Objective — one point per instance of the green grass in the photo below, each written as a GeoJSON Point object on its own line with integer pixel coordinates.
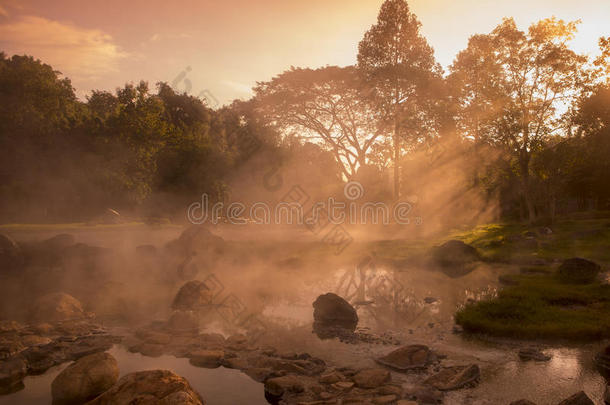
{"type": "Point", "coordinates": [541, 306]}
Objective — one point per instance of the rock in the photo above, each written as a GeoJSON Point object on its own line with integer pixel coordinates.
{"type": "Point", "coordinates": [331, 378]}
{"type": "Point", "coordinates": [207, 358]}
{"type": "Point", "coordinates": [59, 242]}
{"type": "Point", "coordinates": [607, 395]}
{"type": "Point", "coordinates": [578, 271]}
{"type": "Point", "coordinates": [343, 385]}
{"type": "Point", "coordinates": [259, 374]}
{"type": "Point", "coordinates": [11, 256]}
{"type": "Point", "coordinates": [196, 240]}
{"type": "Point", "coordinates": [579, 398]}
{"type": "Point", "coordinates": [372, 378]}
{"type": "Point", "coordinates": [385, 399]}
{"type": "Point", "coordinates": [85, 379]}
{"type": "Point", "coordinates": [57, 307]}
{"type": "Point", "coordinates": [455, 257]}
{"type": "Point", "coordinates": [12, 373]}
{"type": "Point", "coordinates": [533, 353]}
{"type": "Point", "coordinates": [425, 395]}
{"type": "Point", "coordinates": [453, 378]}
{"type": "Point", "coordinates": [183, 321]}
{"type": "Point", "coordinates": [237, 342]}
{"type": "Point", "coordinates": [602, 361]}
{"type": "Point", "coordinates": [522, 402]}
{"type": "Point", "coordinates": [408, 358]}
{"type": "Point", "coordinates": [150, 387]}
{"type": "Point", "coordinates": [277, 386]}
{"type": "Point", "coordinates": [332, 310]}
{"type": "Point", "coordinates": [405, 402]}
{"type": "Point", "coordinates": [192, 296]}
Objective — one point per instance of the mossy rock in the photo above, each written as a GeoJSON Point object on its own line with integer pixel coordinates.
{"type": "Point", "coordinates": [578, 271]}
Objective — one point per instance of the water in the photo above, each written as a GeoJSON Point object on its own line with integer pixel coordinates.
{"type": "Point", "coordinates": [220, 386]}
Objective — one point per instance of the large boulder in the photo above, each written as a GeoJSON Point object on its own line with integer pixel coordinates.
{"type": "Point", "coordinates": [85, 379]}
{"type": "Point", "coordinates": [150, 387]}
{"type": "Point", "coordinates": [11, 256]}
{"type": "Point", "coordinates": [183, 322]}
{"type": "Point", "coordinates": [56, 307]}
{"type": "Point", "coordinates": [455, 257]}
{"type": "Point", "coordinates": [193, 295]}
{"type": "Point", "coordinates": [578, 271]}
{"type": "Point", "coordinates": [330, 310]}
{"type": "Point", "coordinates": [408, 358]}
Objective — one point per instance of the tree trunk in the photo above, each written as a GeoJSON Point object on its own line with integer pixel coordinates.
{"type": "Point", "coordinates": [396, 162]}
{"type": "Point", "coordinates": [524, 165]}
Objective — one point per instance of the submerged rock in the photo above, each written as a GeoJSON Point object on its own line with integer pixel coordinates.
{"type": "Point", "coordinates": [408, 358]}
{"type": "Point", "coordinates": [454, 378]}
{"type": "Point", "coordinates": [578, 271]}
{"type": "Point", "coordinates": [579, 398]}
{"type": "Point", "coordinates": [207, 358]}
{"type": "Point", "coordinates": [57, 307]}
{"type": "Point", "coordinates": [330, 310]}
{"type": "Point", "coordinates": [150, 387]}
{"type": "Point", "coordinates": [532, 353]}
{"type": "Point", "coordinates": [85, 379]}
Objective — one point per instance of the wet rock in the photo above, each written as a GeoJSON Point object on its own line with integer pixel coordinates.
{"type": "Point", "coordinates": [332, 310]}
{"type": "Point", "coordinates": [602, 361]}
{"type": "Point", "coordinates": [455, 257]}
{"type": "Point", "coordinates": [207, 358]}
{"type": "Point", "coordinates": [237, 342]}
{"type": "Point", "coordinates": [150, 387]}
{"type": "Point", "coordinates": [607, 395]}
{"type": "Point", "coordinates": [579, 398]}
{"type": "Point", "coordinates": [522, 402]}
{"type": "Point", "coordinates": [532, 353]}
{"type": "Point", "coordinates": [193, 295]}
{"type": "Point", "coordinates": [406, 402]}
{"type": "Point", "coordinates": [12, 373]}
{"type": "Point", "coordinates": [278, 386]}
{"type": "Point", "coordinates": [11, 256]}
{"type": "Point", "coordinates": [372, 378]}
{"type": "Point", "coordinates": [183, 322]}
{"type": "Point", "coordinates": [578, 271]}
{"type": "Point", "coordinates": [57, 307]}
{"type": "Point", "coordinates": [154, 337]}
{"type": "Point", "coordinates": [85, 379]}
{"type": "Point", "coordinates": [343, 385]}
{"type": "Point", "coordinates": [34, 340]}
{"type": "Point", "coordinates": [453, 378]}
{"type": "Point", "coordinates": [408, 358]}
{"type": "Point", "coordinates": [260, 374]}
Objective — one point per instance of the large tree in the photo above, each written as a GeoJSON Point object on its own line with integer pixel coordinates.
{"type": "Point", "coordinates": [399, 64]}
{"type": "Point", "coordinates": [326, 104]}
{"type": "Point", "coordinates": [514, 86]}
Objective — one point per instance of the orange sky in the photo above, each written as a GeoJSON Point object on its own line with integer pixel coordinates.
{"type": "Point", "coordinates": [230, 44]}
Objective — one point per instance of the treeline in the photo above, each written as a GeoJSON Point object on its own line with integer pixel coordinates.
{"type": "Point", "coordinates": [520, 121]}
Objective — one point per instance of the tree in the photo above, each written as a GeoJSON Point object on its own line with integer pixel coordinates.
{"type": "Point", "coordinates": [512, 87]}
{"type": "Point", "coordinates": [327, 104]}
{"type": "Point", "coordinates": [398, 63]}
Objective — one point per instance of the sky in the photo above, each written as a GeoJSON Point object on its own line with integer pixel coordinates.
{"type": "Point", "coordinates": [219, 49]}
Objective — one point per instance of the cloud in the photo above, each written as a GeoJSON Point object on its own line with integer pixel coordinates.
{"type": "Point", "coordinates": [80, 53]}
